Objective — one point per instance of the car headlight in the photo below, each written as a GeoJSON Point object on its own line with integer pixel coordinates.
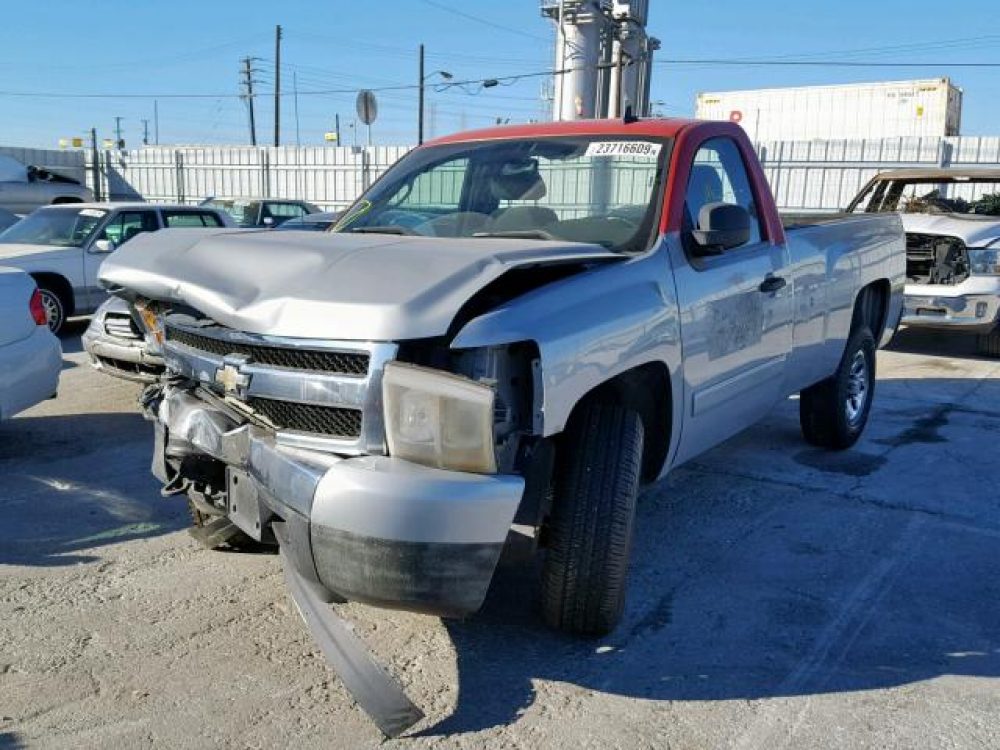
{"type": "Point", "coordinates": [152, 322]}
{"type": "Point", "coordinates": [984, 261]}
{"type": "Point", "coordinates": [438, 419]}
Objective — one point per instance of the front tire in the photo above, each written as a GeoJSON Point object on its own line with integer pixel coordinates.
{"type": "Point", "coordinates": [590, 530]}
{"type": "Point", "coordinates": [988, 344]}
{"type": "Point", "coordinates": [833, 413]}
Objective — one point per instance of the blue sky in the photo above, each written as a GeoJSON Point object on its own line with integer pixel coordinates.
{"type": "Point", "coordinates": [184, 47]}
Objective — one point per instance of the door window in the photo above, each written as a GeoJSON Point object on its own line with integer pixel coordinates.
{"type": "Point", "coordinates": [128, 224]}
{"type": "Point", "coordinates": [190, 219]}
{"type": "Point", "coordinates": [718, 174]}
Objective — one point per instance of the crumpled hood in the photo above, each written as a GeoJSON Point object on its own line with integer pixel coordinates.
{"type": "Point", "coordinates": [974, 231]}
{"type": "Point", "coordinates": [364, 287]}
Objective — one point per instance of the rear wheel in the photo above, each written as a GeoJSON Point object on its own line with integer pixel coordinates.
{"type": "Point", "coordinates": [833, 413]}
{"type": "Point", "coordinates": [590, 530]}
{"type": "Point", "coordinates": [989, 343]}
{"type": "Point", "coordinates": [55, 308]}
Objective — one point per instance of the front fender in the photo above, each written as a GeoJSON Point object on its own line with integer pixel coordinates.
{"type": "Point", "coordinates": [588, 329]}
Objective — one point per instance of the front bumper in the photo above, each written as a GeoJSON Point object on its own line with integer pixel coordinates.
{"type": "Point", "coordinates": [122, 358]}
{"type": "Point", "coordinates": [373, 529]}
{"type": "Point", "coordinates": [972, 306]}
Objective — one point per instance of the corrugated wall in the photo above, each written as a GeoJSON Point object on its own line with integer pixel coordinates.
{"type": "Point", "coordinates": [806, 176]}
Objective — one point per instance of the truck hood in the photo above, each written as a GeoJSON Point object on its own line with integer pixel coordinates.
{"type": "Point", "coordinates": [334, 286]}
{"type": "Point", "coordinates": [974, 231]}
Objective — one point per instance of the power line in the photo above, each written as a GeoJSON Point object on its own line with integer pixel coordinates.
{"type": "Point", "coordinates": [830, 63]}
{"type": "Point", "coordinates": [484, 21]}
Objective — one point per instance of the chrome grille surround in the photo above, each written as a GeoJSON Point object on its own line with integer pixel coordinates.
{"type": "Point", "coordinates": [336, 394]}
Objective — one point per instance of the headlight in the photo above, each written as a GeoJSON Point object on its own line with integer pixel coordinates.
{"type": "Point", "coordinates": [438, 419]}
{"type": "Point", "coordinates": [151, 321]}
{"type": "Point", "coordinates": [984, 262]}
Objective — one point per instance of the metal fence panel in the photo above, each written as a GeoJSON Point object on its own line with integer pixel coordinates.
{"type": "Point", "coordinates": [806, 176]}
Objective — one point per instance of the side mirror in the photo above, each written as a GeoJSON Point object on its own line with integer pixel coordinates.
{"type": "Point", "coordinates": [721, 226]}
{"type": "Point", "coordinates": [102, 246]}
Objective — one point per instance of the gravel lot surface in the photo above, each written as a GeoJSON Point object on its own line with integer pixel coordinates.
{"type": "Point", "coordinates": [781, 597]}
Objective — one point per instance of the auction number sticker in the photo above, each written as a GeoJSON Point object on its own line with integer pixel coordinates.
{"type": "Point", "coordinates": [637, 149]}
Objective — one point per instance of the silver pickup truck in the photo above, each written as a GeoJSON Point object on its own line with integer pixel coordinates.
{"type": "Point", "coordinates": [513, 328]}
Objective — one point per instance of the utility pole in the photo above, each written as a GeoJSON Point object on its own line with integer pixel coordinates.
{"type": "Point", "coordinates": [277, 85]}
{"type": "Point", "coordinates": [156, 122]}
{"type": "Point", "coordinates": [336, 127]}
{"type": "Point", "coordinates": [248, 83]}
{"type": "Point", "coordinates": [295, 88]}
{"type": "Point", "coordinates": [119, 143]}
{"type": "Point", "coordinates": [145, 132]}
{"type": "Point", "coordinates": [420, 99]}
{"type": "Point", "coordinates": [95, 167]}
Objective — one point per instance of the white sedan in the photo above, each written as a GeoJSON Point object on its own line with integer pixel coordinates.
{"type": "Point", "coordinates": [30, 354]}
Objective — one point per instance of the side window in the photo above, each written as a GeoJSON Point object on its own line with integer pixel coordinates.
{"type": "Point", "coordinates": [190, 219]}
{"type": "Point", "coordinates": [718, 174]}
{"type": "Point", "coordinates": [285, 210]}
{"type": "Point", "coordinates": [128, 224]}
{"type": "Point", "coordinates": [436, 191]}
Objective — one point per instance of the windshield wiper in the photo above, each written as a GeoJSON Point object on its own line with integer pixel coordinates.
{"type": "Point", "coordinates": [519, 234]}
{"type": "Point", "coordinates": [388, 229]}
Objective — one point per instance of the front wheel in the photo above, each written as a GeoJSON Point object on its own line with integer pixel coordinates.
{"type": "Point", "coordinates": [590, 530]}
{"type": "Point", "coordinates": [988, 344]}
{"type": "Point", "coordinates": [833, 413]}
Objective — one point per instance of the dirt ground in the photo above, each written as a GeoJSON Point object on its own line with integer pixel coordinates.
{"type": "Point", "coordinates": [781, 597]}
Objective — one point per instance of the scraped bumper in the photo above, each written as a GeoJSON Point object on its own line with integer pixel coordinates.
{"type": "Point", "coordinates": [123, 358]}
{"type": "Point", "coordinates": [972, 306]}
{"type": "Point", "coordinates": [373, 529]}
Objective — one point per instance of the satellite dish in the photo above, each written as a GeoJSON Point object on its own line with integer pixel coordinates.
{"type": "Point", "coordinates": [367, 107]}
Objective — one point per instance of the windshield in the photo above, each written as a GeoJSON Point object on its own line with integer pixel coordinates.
{"type": "Point", "coordinates": [63, 227]}
{"type": "Point", "coordinates": [244, 213]}
{"type": "Point", "coordinates": [582, 189]}
{"type": "Point", "coordinates": [954, 195]}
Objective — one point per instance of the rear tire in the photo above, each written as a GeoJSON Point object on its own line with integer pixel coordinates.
{"type": "Point", "coordinates": [590, 530]}
{"type": "Point", "coordinates": [988, 344]}
{"type": "Point", "coordinates": [55, 308]}
{"type": "Point", "coordinates": [833, 413]}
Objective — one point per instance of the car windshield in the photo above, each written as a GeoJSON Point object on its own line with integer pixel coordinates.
{"type": "Point", "coordinates": [60, 226]}
{"type": "Point", "coordinates": [581, 189]}
{"type": "Point", "coordinates": [244, 213]}
{"type": "Point", "coordinates": [952, 195]}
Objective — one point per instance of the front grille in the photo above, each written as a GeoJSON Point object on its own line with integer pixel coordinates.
{"type": "Point", "coordinates": [343, 363]}
{"type": "Point", "coordinates": [326, 420]}
{"type": "Point", "coordinates": [121, 326]}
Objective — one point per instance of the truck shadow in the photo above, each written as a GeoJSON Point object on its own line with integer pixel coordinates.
{"type": "Point", "coordinates": [77, 482]}
{"type": "Point", "coordinates": [757, 574]}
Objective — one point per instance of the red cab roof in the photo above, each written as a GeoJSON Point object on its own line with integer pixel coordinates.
{"type": "Point", "coordinates": [665, 128]}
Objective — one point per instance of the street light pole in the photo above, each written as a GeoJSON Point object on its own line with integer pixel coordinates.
{"type": "Point", "coordinates": [420, 89]}
{"type": "Point", "coordinates": [420, 106]}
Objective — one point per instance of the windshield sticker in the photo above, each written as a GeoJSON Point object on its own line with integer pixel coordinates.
{"type": "Point", "coordinates": [637, 149]}
{"type": "Point", "coordinates": [94, 213]}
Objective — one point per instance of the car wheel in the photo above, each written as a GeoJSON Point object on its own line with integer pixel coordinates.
{"type": "Point", "coordinates": [833, 413]}
{"type": "Point", "coordinates": [55, 308]}
{"type": "Point", "coordinates": [590, 529]}
{"type": "Point", "coordinates": [989, 343]}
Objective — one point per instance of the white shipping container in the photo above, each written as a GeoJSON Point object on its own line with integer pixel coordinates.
{"type": "Point", "coordinates": [931, 107]}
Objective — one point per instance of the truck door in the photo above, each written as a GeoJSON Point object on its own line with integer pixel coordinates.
{"type": "Point", "coordinates": [735, 308]}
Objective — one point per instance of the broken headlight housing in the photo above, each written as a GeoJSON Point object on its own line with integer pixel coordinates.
{"type": "Point", "coordinates": [984, 261]}
{"type": "Point", "coordinates": [438, 419]}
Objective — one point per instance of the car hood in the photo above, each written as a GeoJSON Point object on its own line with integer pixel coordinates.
{"type": "Point", "coordinates": [331, 286]}
{"type": "Point", "coordinates": [13, 251]}
{"type": "Point", "coordinates": [974, 231]}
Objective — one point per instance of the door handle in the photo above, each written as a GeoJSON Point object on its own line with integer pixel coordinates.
{"type": "Point", "coordinates": [772, 284]}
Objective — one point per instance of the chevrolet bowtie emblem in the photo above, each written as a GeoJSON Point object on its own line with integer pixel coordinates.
{"type": "Point", "coordinates": [233, 382]}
